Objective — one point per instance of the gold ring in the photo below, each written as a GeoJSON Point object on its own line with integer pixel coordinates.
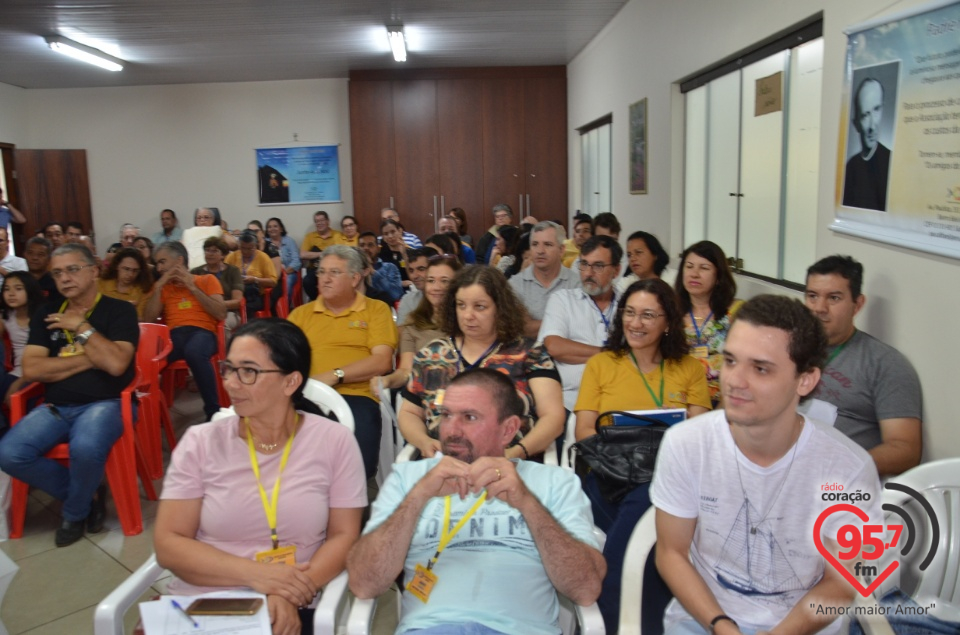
{"type": "Point", "coordinates": [498, 473]}
{"type": "Point", "coordinates": [57, 318]}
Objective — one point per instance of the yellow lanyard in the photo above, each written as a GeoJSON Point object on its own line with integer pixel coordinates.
{"type": "Point", "coordinates": [447, 534]}
{"type": "Point", "coordinates": [270, 506]}
{"type": "Point", "coordinates": [85, 317]}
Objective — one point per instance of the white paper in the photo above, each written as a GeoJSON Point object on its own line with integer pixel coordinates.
{"type": "Point", "coordinates": [160, 617]}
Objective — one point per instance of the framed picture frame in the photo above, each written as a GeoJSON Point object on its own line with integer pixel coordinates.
{"type": "Point", "coordinates": [638, 147]}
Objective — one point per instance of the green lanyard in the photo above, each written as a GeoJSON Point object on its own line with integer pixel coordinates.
{"type": "Point", "coordinates": [658, 402]}
{"type": "Point", "coordinates": [270, 506]}
{"type": "Point", "coordinates": [837, 350]}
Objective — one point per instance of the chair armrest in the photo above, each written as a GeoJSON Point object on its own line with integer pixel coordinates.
{"type": "Point", "coordinates": [360, 620]}
{"type": "Point", "coordinates": [550, 455]}
{"type": "Point", "coordinates": [407, 454]}
{"type": "Point", "coordinates": [331, 605]}
{"type": "Point", "coordinates": [590, 619]}
{"type": "Point", "coordinates": [108, 617]}
{"type": "Point", "coordinates": [19, 401]}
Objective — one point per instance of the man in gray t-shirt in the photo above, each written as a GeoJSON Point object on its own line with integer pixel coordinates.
{"type": "Point", "coordinates": [874, 387]}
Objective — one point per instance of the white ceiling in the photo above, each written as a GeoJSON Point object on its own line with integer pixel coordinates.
{"type": "Point", "coordinates": [191, 41]}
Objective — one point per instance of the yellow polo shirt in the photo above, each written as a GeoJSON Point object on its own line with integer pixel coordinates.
{"type": "Point", "coordinates": [313, 239]}
{"type": "Point", "coordinates": [338, 340]}
{"type": "Point", "coordinates": [261, 267]}
{"type": "Point", "coordinates": [570, 252]}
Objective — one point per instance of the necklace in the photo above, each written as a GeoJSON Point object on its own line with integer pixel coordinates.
{"type": "Point", "coordinates": [743, 491]}
{"type": "Point", "coordinates": [268, 447]}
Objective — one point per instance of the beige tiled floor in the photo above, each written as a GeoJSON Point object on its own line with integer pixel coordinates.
{"type": "Point", "coordinates": [56, 590]}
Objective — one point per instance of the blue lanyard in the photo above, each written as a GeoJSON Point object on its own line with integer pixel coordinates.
{"type": "Point", "coordinates": [606, 322]}
{"type": "Point", "coordinates": [695, 328]}
{"type": "Point", "coordinates": [480, 359]}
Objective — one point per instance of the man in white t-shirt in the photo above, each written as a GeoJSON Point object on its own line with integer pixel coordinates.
{"type": "Point", "coordinates": [738, 491]}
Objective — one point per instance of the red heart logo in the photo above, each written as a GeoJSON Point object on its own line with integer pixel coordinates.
{"type": "Point", "coordinates": [862, 515]}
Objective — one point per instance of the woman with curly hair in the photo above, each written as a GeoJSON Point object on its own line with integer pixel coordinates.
{"type": "Point", "coordinates": [483, 320]}
{"type": "Point", "coordinates": [128, 277]}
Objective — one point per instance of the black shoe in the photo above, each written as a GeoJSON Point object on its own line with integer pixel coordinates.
{"type": "Point", "coordinates": [70, 531]}
{"type": "Point", "coordinates": [98, 511]}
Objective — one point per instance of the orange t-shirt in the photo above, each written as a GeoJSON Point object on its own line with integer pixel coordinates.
{"type": "Point", "coordinates": [180, 308]}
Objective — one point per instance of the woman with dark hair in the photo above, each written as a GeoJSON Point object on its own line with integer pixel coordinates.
{"type": "Point", "coordinates": [644, 366]}
{"type": "Point", "coordinates": [483, 321]}
{"type": "Point", "coordinates": [289, 254]}
{"type": "Point", "coordinates": [128, 277]}
{"type": "Point", "coordinates": [460, 216]}
{"type": "Point", "coordinates": [504, 245]}
{"type": "Point", "coordinates": [520, 256]}
{"type": "Point", "coordinates": [20, 297]}
{"type": "Point", "coordinates": [231, 279]}
{"type": "Point", "coordinates": [647, 259]}
{"type": "Point", "coordinates": [443, 244]}
{"type": "Point", "coordinates": [213, 527]}
{"type": "Point", "coordinates": [350, 231]}
{"type": "Point", "coordinates": [705, 291]}
{"type": "Point", "coordinates": [393, 249]}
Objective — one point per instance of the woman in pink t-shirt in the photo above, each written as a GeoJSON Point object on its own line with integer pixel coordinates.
{"type": "Point", "coordinates": [213, 527]}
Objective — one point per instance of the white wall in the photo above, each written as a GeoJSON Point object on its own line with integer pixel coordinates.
{"type": "Point", "coordinates": [13, 114]}
{"type": "Point", "coordinates": [911, 297]}
{"type": "Point", "coordinates": [186, 146]}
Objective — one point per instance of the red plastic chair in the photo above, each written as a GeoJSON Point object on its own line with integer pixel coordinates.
{"type": "Point", "coordinates": [297, 295]}
{"type": "Point", "coordinates": [175, 374]}
{"type": "Point", "coordinates": [155, 346]}
{"type": "Point", "coordinates": [124, 463]}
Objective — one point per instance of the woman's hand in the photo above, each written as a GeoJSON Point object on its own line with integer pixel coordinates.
{"type": "Point", "coordinates": [289, 582]}
{"type": "Point", "coordinates": [428, 447]}
{"type": "Point", "coordinates": [284, 619]}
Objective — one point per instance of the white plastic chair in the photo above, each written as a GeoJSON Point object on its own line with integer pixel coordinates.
{"type": "Point", "coordinates": [8, 569]}
{"type": "Point", "coordinates": [108, 617]}
{"type": "Point", "coordinates": [326, 398]}
{"type": "Point", "coordinates": [567, 460]}
{"type": "Point", "coordinates": [642, 540]}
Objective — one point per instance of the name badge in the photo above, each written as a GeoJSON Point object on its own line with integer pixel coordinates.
{"type": "Point", "coordinates": [700, 352]}
{"type": "Point", "coordinates": [184, 304]}
{"type": "Point", "coordinates": [422, 583]}
{"type": "Point", "coordinates": [71, 350]}
{"type": "Point", "coordinates": [280, 555]}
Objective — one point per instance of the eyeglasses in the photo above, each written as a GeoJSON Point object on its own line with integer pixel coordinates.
{"type": "Point", "coordinates": [345, 225]}
{"type": "Point", "coordinates": [72, 270]}
{"type": "Point", "coordinates": [595, 267]}
{"type": "Point", "coordinates": [245, 374]}
{"type": "Point", "coordinates": [336, 273]}
{"type": "Point", "coordinates": [645, 316]}
{"type": "Point", "coordinates": [502, 216]}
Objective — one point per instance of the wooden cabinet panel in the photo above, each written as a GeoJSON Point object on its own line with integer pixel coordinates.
{"type": "Point", "coordinates": [545, 148]}
{"type": "Point", "coordinates": [460, 123]}
{"type": "Point", "coordinates": [503, 138]}
{"type": "Point", "coordinates": [53, 186]}
{"type": "Point", "coordinates": [415, 143]}
{"type": "Point", "coordinates": [371, 147]}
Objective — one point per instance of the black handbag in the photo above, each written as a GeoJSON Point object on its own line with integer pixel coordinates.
{"type": "Point", "coordinates": [622, 457]}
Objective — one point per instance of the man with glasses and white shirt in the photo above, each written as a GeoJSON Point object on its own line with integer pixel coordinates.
{"type": "Point", "coordinates": [576, 322]}
{"type": "Point", "coordinates": [535, 284]}
{"type": "Point", "coordinates": [82, 348]}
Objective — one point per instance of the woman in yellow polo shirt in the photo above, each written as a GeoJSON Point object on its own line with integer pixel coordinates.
{"type": "Point", "coordinates": [645, 366]}
{"type": "Point", "coordinates": [128, 277]}
{"type": "Point", "coordinates": [256, 269]}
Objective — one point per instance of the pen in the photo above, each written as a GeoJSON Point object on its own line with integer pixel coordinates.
{"type": "Point", "coordinates": [177, 606]}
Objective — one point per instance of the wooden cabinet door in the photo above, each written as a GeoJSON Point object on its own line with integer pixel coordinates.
{"type": "Point", "coordinates": [52, 186]}
{"type": "Point", "coordinates": [460, 124]}
{"type": "Point", "coordinates": [503, 140]}
{"type": "Point", "coordinates": [417, 154]}
{"type": "Point", "coordinates": [372, 151]}
{"type": "Point", "coordinates": [545, 147]}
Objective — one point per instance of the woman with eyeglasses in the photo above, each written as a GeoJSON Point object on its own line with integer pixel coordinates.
{"type": "Point", "coordinates": [207, 224]}
{"type": "Point", "coordinates": [422, 325]}
{"type": "Point", "coordinates": [644, 366]}
{"type": "Point", "coordinates": [276, 464]}
{"type": "Point", "coordinates": [482, 319]}
{"type": "Point", "coordinates": [128, 277]}
{"type": "Point", "coordinates": [349, 231]}
{"type": "Point", "coordinates": [705, 289]}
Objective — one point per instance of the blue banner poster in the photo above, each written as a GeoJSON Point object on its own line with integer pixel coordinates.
{"type": "Point", "coordinates": [292, 176]}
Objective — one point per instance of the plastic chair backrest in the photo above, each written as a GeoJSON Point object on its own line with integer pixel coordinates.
{"type": "Point", "coordinates": [641, 543]}
{"type": "Point", "coordinates": [155, 345]}
{"type": "Point", "coordinates": [328, 399]}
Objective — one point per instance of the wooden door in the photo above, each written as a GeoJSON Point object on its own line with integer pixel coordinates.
{"type": "Point", "coordinates": [372, 153]}
{"type": "Point", "coordinates": [460, 124]}
{"type": "Point", "coordinates": [52, 186]}
{"type": "Point", "coordinates": [503, 139]}
{"type": "Point", "coordinates": [417, 155]}
{"type": "Point", "coordinates": [545, 148]}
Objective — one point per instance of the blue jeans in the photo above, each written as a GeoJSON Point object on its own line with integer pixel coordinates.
{"type": "Point", "coordinates": [196, 346]}
{"type": "Point", "coordinates": [90, 429]}
{"type": "Point", "coordinates": [367, 426]}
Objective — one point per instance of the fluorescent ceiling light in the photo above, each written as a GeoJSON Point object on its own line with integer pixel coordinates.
{"type": "Point", "coordinates": [84, 53]}
{"type": "Point", "coordinates": [395, 32]}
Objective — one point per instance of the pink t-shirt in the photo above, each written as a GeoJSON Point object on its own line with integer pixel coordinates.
{"type": "Point", "coordinates": [212, 462]}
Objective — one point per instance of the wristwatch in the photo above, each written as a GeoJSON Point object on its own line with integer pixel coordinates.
{"type": "Point", "coordinates": [82, 338]}
{"type": "Point", "coordinates": [340, 375]}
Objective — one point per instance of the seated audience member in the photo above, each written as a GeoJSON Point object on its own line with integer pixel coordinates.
{"type": "Point", "coordinates": [145, 246]}
{"type": "Point", "coordinates": [606, 224]}
{"type": "Point", "coordinates": [873, 386]}
{"type": "Point", "coordinates": [741, 487]}
{"type": "Point", "coordinates": [409, 239]}
{"type": "Point", "coordinates": [289, 256]}
{"type": "Point", "coordinates": [54, 233]}
{"type": "Point", "coordinates": [207, 224]}
{"type": "Point", "coordinates": [646, 258]}
{"type": "Point", "coordinates": [128, 233]}
{"type": "Point", "coordinates": [231, 280]}
{"type": "Point", "coordinates": [393, 249]}
{"type": "Point", "coordinates": [386, 277]}
{"type": "Point", "coordinates": [527, 223]}
{"type": "Point", "coordinates": [520, 257]}
{"type": "Point", "coordinates": [353, 339]}
{"type": "Point", "coordinates": [257, 271]}
{"type": "Point", "coordinates": [37, 255]}
{"type": "Point", "coordinates": [576, 322]}
{"type": "Point", "coordinates": [460, 216]}
{"type": "Point", "coordinates": [444, 244]}
{"type": "Point", "coordinates": [582, 231]}
{"type": "Point", "coordinates": [483, 322]}
{"type": "Point", "coordinates": [647, 341]}
{"type": "Point", "coordinates": [503, 254]}
{"type": "Point", "coordinates": [191, 305]}
{"type": "Point", "coordinates": [448, 226]}
{"type": "Point", "coordinates": [20, 298]}
{"type": "Point", "coordinates": [74, 234]}
{"type": "Point", "coordinates": [82, 349]}
{"type": "Point", "coordinates": [349, 231]}
{"type": "Point", "coordinates": [546, 276]}
{"type": "Point", "coordinates": [213, 529]}
{"type": "Point", "coordinates": [417, 272]}
{"type": "Point", "coordinates": [127, 278]}
{"type": "Point", "coordinates": [705, 289]}
{"type": "Point", "coordinates": [169, 228]}
{"type": "Point", "coordinates": [8, 262]}
{"type": "Point", "coordinates": [534, 530]}
{"type": "Point", "coordinates": [366, 281]}
{"type": "Point", "coordinates": [263, 244]}
{"type": "Point", "coordinates": [422, 325]}
{"type": "Point", "coordinates": [502, 217]}
{"type": "Point", "coordinates": [312, 246]}
{"type": "Point", "coordinates": [9, 213]}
